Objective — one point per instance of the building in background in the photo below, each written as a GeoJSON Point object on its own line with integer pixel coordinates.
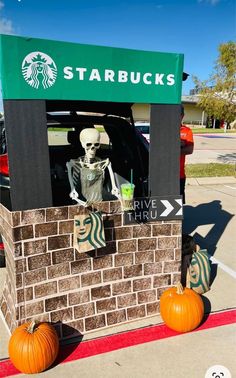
{"type": "Point", "coordinates": [193, 114]}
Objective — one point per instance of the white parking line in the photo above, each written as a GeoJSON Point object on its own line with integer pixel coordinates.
{"type": "Point", "coordinates": [224, 267]}
{"type": "Point", "coordinates": [231, 187]}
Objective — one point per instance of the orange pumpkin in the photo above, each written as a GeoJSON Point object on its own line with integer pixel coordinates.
{"type": "Point", "coordinates": [181, 309]}
{"type": "Point", "coordinates": [33, 347]}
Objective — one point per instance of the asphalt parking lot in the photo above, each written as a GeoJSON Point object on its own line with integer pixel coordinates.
{"type": "Point", "coordinates": [213, 148]}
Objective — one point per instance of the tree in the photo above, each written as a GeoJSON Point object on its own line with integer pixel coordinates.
{"type": "Point", "coordinates": [218, 93]}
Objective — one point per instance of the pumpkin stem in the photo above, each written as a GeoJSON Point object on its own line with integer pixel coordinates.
{"type": "Point", "coordinates": [180, 289]}
{"type": "Point", "coordinates": [30, 329]}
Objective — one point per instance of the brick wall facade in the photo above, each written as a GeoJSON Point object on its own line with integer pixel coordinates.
{"type": "Point", "coordinates": [47, 279]}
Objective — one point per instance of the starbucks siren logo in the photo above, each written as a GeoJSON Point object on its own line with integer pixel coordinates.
{"type": "Point", "coordinates": [39, 69]}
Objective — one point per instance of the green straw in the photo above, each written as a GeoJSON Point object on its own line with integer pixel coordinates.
{"type": "Point", "coordinates": [131, 177]}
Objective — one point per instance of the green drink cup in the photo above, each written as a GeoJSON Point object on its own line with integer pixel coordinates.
{"type": "Point", "coordinates": [127, 196]}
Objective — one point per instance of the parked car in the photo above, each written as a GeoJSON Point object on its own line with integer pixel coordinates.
{"type": "Point", "coordinates": [121, 142]}
{"type": "Point", "coordinates": [144, 129]}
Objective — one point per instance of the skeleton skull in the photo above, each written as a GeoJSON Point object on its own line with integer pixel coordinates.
{"type": "Point", "coordinates": [90, 140]}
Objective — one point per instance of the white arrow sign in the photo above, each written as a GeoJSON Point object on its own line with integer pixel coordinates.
{"type": "Point", "coordinates": [180, 212]}
{"type": "Point", "coordinates": [168, 209]}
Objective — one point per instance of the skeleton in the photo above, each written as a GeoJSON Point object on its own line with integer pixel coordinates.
{"type": "Point", "coordinates": [88, 171]}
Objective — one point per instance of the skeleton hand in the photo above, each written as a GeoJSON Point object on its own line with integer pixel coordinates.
{"type": "Point", "coordinates": [116, 192]}
{"type": "Point", "coordinates": [74, 195]}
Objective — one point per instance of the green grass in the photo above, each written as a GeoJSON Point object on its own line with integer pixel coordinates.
{"type": "Point", "coordinates": [203, 130]}
{"type": "Point", "coordinates": [57, 129]}
{"type": "Point", "coordinates": [210, 170]}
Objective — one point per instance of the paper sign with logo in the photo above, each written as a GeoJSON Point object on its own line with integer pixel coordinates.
{"type": "Point", "coordinates": [88, 231]}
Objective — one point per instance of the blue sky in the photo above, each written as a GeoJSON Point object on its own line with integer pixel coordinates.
{"type": "Point", "coordinates": [192, 27]}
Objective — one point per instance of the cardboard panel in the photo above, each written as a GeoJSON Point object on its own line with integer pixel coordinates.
{"type": "Point", "coordinates": [164, 154]}
{"type": "Point", "coordinates": [26, 132]}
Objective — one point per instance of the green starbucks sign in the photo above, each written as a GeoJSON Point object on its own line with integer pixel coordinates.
{"type": "Point", "coordinates": [43, 69]}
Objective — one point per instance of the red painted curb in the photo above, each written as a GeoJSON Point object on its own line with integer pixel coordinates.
{"type": "Point", "coordinates": [123, 340]}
